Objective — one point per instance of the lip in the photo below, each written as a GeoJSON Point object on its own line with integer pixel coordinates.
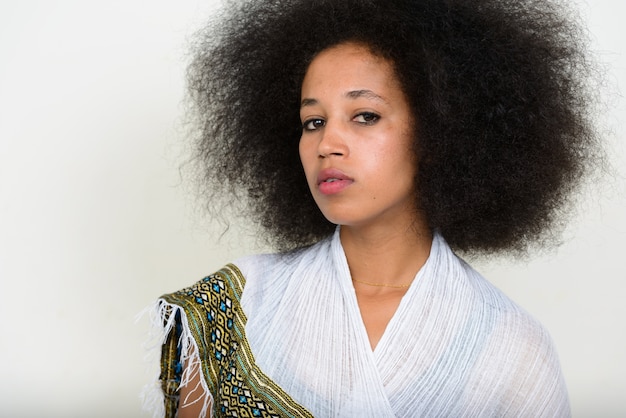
{"type": "Point", "coordinates": [332, 181]}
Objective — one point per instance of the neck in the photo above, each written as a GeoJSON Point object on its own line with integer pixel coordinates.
{"type": "Point", "coordinates": [386, 256]}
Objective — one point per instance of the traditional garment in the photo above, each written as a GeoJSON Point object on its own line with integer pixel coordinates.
{"type": "Point", "coordinates": [282, 335]}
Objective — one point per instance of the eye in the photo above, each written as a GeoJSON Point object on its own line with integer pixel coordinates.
{"type": "Point", "coordinates": [366, 118]}
{"type": "Point", "coordinates": [313, 124]}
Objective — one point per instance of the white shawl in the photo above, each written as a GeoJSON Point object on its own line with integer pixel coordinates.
{"type": "Point", "coordinates": [455, 347]}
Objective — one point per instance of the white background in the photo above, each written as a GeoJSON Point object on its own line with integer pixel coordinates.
{"type": "Point", "coordinates": [95, 224]}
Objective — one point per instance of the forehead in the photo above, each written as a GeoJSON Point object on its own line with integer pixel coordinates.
{"type": "Point", "coordinates": [347, 49]}
{"type": "Point", "coordinates": [350, 66]}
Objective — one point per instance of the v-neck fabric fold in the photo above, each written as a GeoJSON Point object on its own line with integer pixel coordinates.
{"type": "Point", "coordinates": [455, 346]}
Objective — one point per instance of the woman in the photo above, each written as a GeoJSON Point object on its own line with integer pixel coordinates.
{"type": "Point", "coordinates": [371, 139]}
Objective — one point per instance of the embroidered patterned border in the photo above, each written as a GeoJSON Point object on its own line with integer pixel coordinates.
{"type": "Point", "coordinates": [217, 323]}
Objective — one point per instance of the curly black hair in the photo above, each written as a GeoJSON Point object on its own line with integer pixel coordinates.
{"type": "Point", "coordinates": [498, 88]}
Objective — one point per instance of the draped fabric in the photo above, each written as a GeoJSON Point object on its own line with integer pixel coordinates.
{"type": "Point", "coordinates": [206, 328]}
{"type": "Point", "coordinates": [456, 346]}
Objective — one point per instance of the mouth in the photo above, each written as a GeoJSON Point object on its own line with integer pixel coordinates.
{"type": "Point", "coordinates": [332, 181]}
{"type": "Point", "coordinates": [331, 175]}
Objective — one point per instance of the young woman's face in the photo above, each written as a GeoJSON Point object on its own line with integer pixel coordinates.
{"type": "Point", "coordinates": [356, 138]}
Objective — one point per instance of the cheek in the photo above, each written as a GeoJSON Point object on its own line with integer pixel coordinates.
{"type": "Point", "coordinates": [302, 152]}
{"type": "Point", "coordinates": [304, 148]}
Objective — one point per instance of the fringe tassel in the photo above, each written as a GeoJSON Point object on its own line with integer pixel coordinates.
{"type": "Point", "coordinates": [162, 316]}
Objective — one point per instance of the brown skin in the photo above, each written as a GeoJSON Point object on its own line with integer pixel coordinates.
{"type": "Point", "coordinates": [367, 137]}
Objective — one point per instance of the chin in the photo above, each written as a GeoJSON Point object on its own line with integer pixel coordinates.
{"type": "Point", "coordinates": [336, 219]}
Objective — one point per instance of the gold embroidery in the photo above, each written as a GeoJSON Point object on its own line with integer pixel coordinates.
{"type": "Point", "coordinates": [217, 323]}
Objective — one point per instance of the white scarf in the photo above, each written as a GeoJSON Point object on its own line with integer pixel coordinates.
{"type": "Point", "coordinates": [456, 346]}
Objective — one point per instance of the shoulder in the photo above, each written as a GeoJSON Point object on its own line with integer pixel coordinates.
{"type": "Point", "coordinates": [509, 321]}
{"type": "Point", "coordinates": [253, 279]}
{"type": "Point", "coordinates": [253, 265]}
{"type": "Point", "coordinates": [250, 272]}
{"type": "Point", "coordinates": [267, 276]}
{"type": "Point", "coordinates": [519, 355]}
{"type": "Point", "coordinates": [486, 294]}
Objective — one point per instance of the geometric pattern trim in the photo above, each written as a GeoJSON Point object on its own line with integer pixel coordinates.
{"type": "Point", "coordinates": [217, 324]}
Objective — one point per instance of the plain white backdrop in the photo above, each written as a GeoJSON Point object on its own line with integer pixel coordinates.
{"type": "Point", "coordinates": [95, 223]}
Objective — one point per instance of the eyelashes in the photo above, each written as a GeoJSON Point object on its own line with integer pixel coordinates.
{"type": "Point", "coordinates": [366, 118]}
{"type": "Point", "coordinates": [363, 118]}
{"type": "Point", "coordinates": [314, 124]}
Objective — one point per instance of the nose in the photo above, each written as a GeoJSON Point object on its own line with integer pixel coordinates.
{"type": "Point", "coordinates": [332, 141]}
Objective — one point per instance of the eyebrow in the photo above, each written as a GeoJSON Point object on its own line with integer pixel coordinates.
{"type": "Point", "coordinates": [368, 94]}
{"type": "Point", "coordinates": [308, 102]}
{"type": "Point", "coordinates": [355, 94]}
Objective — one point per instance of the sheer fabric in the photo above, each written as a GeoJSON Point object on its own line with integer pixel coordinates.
{"type": "Point", "coordinates": [455, 347]}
